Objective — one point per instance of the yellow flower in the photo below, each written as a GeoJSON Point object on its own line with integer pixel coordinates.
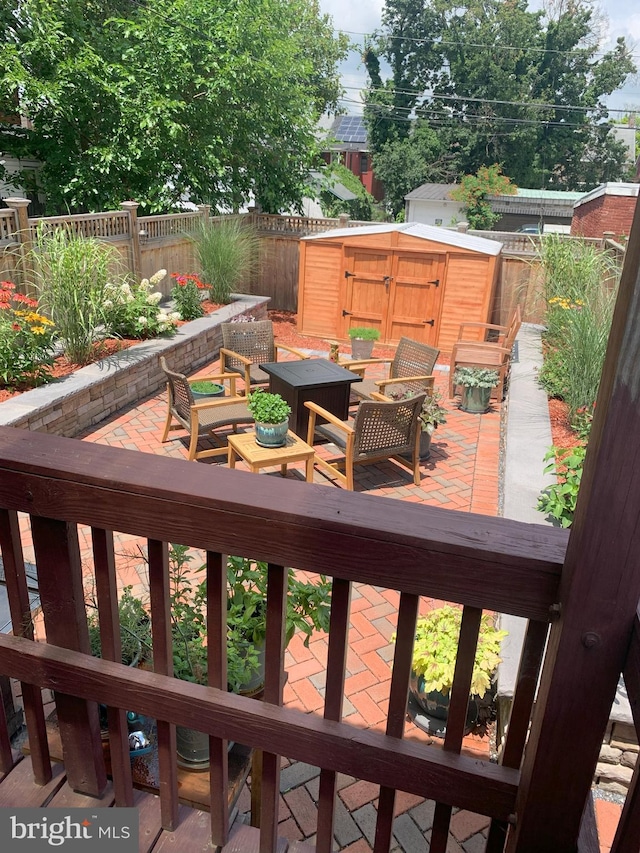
{"type": "Point", "coordinates": [38, 330]}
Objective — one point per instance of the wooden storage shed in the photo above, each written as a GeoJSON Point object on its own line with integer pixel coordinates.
{"type": "Point", "coordinates": [409, 279]}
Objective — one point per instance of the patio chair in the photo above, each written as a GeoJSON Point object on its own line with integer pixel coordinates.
{"type": "Point", "coordinates": [411, 369]}
{"type": "Point", "coordinates": [494, 354]}
{"type": "Point", "coordinates": [380, 430]}
{"type": "Point", "coordinates": [201, 419]}
{"type": "Point", "coordinates": [247, 345]}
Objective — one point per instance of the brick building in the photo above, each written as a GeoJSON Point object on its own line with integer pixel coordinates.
{"type": "Point", "coordinates": [609, 207]}
{"type": "Point", "coordinates": [347, 143]}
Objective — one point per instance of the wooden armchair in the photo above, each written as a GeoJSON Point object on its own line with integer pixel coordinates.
{"type": "Point", "coordinates": [201, 419]}
{"type": "Point", "coordinates": [380, 430]}
{"type": "Point", "coordinates": [493, 354]}
{"type": "Point", "coordinates": [247, 345]}
{"type": "Point", "coordinates": [411, 369]}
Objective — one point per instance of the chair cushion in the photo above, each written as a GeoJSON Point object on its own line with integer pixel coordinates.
{"type": "Point", "coordinates": [232, 413]}
{"type": "Point", "coordinates": [333, 434]}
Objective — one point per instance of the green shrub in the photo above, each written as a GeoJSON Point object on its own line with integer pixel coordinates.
{"type": "Point", "coordinates": [365, 333]}
{"type": "Point", "coordinates": [476, 377]}
{"type": "Point", "coordinates": [26, 340]}
{"type": "Point", "coordinates": [268, 408]}
{"type": "Point", "coordinates": [131, 311]}
{"type": "Point", "coordinates": [227, 252]}
{"type": "Point", "coordinates": [559, 500]}
{"type": "Point", "coordinates": [71, 274]}
{"type": "Point", "coordinates": [186, 295]}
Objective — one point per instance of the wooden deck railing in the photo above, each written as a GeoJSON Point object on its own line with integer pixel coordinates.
{"type": "Point", "coordinates": [480, 562]}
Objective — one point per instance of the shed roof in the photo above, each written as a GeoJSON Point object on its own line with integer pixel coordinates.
{"type": "Point", "coordinates": [458, 239]}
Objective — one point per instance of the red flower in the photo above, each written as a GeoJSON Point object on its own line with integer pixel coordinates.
{"type": "Point", "coordinates": [16, 327]}
{"type": "Point", "coordinates": [4, 306]}
{"type": "Point", "coordinates": [7, 285]}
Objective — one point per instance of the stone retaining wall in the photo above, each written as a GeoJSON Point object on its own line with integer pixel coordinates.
{"type": "Point", "coordinates": [617, 759]}
{"type": "Point", "coordinates": [93, 393]}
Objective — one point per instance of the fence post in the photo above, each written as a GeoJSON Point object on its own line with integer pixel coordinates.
{"type": "Point", "coordinates": [205, 212]}
{"type": "Point", "coordinates": [134, 237]}
{"type": "Point", "coordinates": [23, 236]}
{"type": "Point", "coordinates": [344, 220]}
{"type": "Point", "coordinates": [607, 235]}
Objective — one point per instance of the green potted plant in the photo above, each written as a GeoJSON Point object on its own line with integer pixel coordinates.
{"type": "Point", "coordinates": [476, 383]}
{"type": "Point", "coordinates": [433, 665]}
{"type": "Point", "coordinates": [271, 414]}
{"type": "Point", "coordinates": [205, 388]}
{"type": "Point", "coordinates": [432, 414]}
{"type": "Point", "coordinates": [362, 340]}
{"type": "Point", "coordinates": [308, 609]}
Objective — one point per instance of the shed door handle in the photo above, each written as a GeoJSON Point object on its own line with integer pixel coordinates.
{"type": "Point", "coordinates": [428, 322]}
{"type": "Point", "coordinates": [346, 313]}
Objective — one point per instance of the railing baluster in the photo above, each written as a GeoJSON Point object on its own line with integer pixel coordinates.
{"type": "Point", "coordinates": [20, 609]}
{"type": "Point", "coordinates": [163, 664]}
{"type": "Point", "coordinates": [407, 616]}
{"type": "Point", "coordinates": [111, 644]}
{"type": "Point", "coordinates": [457, 715]}
{"type": "Point", "coordinates": [62, 595]}
{"type": "Point", "coordinates": [528, 672]}
{"type": "Point", "coordinates": [273, 687]}
{"type": "Point", "coordinates": [334, 697]}
{"type": "Point", "coordinates": [217, 677]}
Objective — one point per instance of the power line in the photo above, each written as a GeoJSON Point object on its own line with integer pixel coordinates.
{"type": "Point", "coordinates": [434, 42]}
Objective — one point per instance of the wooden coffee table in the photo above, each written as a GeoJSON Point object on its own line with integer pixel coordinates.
{"type": "Point", "coordinates": [244, 446]}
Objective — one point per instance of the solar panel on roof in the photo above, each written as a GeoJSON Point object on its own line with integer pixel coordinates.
{"type": "Point", "coordinates": [350, 129]}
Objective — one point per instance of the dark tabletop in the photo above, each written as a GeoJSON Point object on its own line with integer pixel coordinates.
{"type": "Point", "coordinates": [310, 372]}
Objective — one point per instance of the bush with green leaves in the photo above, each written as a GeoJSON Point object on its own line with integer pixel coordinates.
{"type": "Point", "coordinates": [135, 628]}
{"type": "Point", "coordinates": [71, 275]}
{"type": "Point", "coordinates": [435, 650]}
{"type": "Point", "coordinates": [476, 377]}
{"type": "Point", "coordinates": [228, 253]}
{"type": "Point", "coordinates": [186, 293]}
{"type": "Point", "coordinates": [580, 284]}
{"type": "Point", "coordinates": [268, 408]}
{"type": "Point", "coordinates": [559, 500]}
{"type": "Point", "coordinates": [308, 609]}
{"type": "Point", "coordinates": [132, 310]}
{"type": "Point", "coordinates": [26, 340]}
{"type": "Point", "coordinates": [364, 333]}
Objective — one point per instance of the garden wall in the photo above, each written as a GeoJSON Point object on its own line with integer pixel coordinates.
{"type": "Point", "coordinates": [91, 394]}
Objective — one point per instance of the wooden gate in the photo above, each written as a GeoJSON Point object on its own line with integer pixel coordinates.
{"type": "Point", "coordinates": [398, 292]}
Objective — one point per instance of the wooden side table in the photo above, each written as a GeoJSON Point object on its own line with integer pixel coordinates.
{"type": "Point", "coordinates": [243, 445]}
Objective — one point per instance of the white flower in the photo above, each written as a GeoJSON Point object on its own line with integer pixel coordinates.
{"type": "Point", "coordinates": [107, 304]}
{"type": "Point", "coordinates": [157, 277]}
{"type": "Point", "coordinates": [145, 283]}
{"type": "Point", "coordinates": [174, 316]}
{"type": "Point", "coordinates": [154, 298]}
{"type": "Point", "coordinates": [142, 321]}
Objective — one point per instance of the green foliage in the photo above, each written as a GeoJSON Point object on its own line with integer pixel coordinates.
{"type": "Point", "coordinates": [365, 333]}
{"type": "Point", "coordinates": [71, 274]}
{"type": "Point", "coordinates": [436, 647]}
{"type": "Point", "coordinates": [227, 252]}
{"type": "Point", "coordinates": [135, 627]}
{"type": "Point", "coordinates": [206, 387]}
{"type": "Point", "coordinates": [360, 208]}
{"type": "Point", "coordinates": [308, 609]}
{"type": "Point", "coordinates": [432, 412]}
{"type": "Point", "coordinates": [580, 290]}
{"type": "Point", "coordinates": [26, 340]}
{"type": "Point", "coordinates": [498, 83]}
{"type": "Point", "coordinates": [212, 101]}
{"type": "Point", "coordinates": [476, 377]}
{"type": "Point", "coordinates": [268, 408]}
{"type": "Point", "coordinates": [473, 192]}
{"type": "Point", "coordinates": [131, 310]}
{"type": "Point", "coordinates": [186, 295]}
{"type": "Point", "coordinates": [559, 500]}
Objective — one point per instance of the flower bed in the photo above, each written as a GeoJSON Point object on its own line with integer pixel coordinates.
{"type": "Point", "coordinates": [93, 393]}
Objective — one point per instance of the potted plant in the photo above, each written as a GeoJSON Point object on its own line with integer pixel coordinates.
{"type": "Point", "coordinates": [476, 383]}
{"type": "Point", "coordinates": [434, 659]}
{"type": "Point", "coordinates": [431, 414]}
{"type": "Point", "coordinates": [308, 608]}
{"type": "Point", "coordinates": [271, 414]}
{"type": "Point", "coordinates": [205, 388]}
{"type": "Point", "coordinates": [362, 341]}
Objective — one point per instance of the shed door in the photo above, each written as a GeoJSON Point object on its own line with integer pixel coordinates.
{"type": "Point", "coordinates": [368, 276]}
{"type": "Point", "coordinates": [397, 292]}
{"type": "Point", "coordinates": [415, 296]}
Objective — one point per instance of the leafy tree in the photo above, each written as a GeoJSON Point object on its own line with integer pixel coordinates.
{"type": "Point", "coordinates": [360, 208]}
{"type": "Point", "coordinates": [500, 84]}
{"type": "Point", "coordinates": [473, 192]}
{"type": "Point", "coordinates": [158, 101]}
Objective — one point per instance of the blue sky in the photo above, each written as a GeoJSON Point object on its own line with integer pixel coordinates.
{"type": "Point", "coordinates": [364, 16]}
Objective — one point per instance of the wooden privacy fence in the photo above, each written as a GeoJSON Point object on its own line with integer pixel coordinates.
{"type": "Point", "coordinates": [146, 244]}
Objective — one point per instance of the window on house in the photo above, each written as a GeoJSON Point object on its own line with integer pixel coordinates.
{"type": "Point", "coordinates": [364, 163]}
